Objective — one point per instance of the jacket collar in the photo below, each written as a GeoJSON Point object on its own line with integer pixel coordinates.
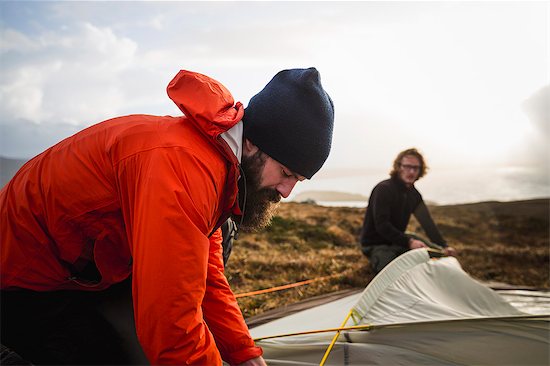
{"type": "Point", "coordinates": [401, 184]}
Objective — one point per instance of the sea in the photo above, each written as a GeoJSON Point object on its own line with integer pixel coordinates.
{"type": "Point", "coordinates": [442, 186]}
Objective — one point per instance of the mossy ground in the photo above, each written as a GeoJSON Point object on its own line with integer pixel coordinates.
{"type": "Point", "coordinates": [497, 241]}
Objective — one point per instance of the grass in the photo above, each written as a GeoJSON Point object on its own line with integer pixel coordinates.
{"type": "Point", "coordinates": [497, 241]}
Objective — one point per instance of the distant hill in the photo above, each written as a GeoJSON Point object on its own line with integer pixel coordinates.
{"type": "Point", "coordinates": [328, 196]}
{"type": "Point", "coordinates": [8, 168]}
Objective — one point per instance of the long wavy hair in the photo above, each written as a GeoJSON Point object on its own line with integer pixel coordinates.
{"type": "Point", "coordinates": [413, 152]}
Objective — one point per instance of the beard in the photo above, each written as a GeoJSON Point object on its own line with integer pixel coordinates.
{"type": "Point", "coordinates": [257, 204]}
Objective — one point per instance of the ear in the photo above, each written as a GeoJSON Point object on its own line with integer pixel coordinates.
{"type": "Point", "coordinates": [249, 148]}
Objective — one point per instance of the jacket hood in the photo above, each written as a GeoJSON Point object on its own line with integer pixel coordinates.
{"type": "Point", "coordinates": [211, 107]}
{"type": "Point", "coordinates": [205, 101]}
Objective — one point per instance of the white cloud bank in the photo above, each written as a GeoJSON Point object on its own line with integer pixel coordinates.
{"type": "Point", "coordinates": [64, 76]}
{"type": "Point", "coordinates": [446, 77]}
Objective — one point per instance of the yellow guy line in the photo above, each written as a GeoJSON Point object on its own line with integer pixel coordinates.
{"type": "Point", "coordinates": [334, 339]}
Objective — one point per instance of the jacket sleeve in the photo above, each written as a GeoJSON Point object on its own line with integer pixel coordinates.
{"type": "Point", "coordinates": [222, 312]}
{"type": "Point", "coordinates": [423, 216]}
{"type": "Point", "coordinates": [381, 201]}
{"type": "Point", "coordinates": [168, 201]}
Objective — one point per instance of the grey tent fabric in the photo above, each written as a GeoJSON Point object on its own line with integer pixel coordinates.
{"type": "Point", "coordinates": [417, 311]}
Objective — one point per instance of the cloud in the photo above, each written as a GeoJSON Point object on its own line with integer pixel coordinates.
{"type": "Point", "coordinates": [15, 41]}
{"type": "Point", "coordinates": [537, 147]}
{"type": "Point", "coordinates": [401, 74]}
{"type": "Point", "coordinates": [68, 75]}
{"type": "Point", "coordinates": [24, 139]}
{"type": "Point", "coordinates": [537, 108]}
{"type": "Point", "coordinates": [22, 94]}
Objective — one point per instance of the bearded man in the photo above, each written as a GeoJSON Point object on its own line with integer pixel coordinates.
{"type": "Point", "coordinates": [145, 196]}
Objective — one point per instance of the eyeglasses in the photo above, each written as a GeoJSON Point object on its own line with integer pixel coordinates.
{"type": "Point", "coordinates": [414, 168]}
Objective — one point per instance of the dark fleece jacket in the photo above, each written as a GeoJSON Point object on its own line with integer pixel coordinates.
{"type": "Point", "coordinates": [391, 204]}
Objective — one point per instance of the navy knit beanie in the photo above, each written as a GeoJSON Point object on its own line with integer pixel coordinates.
{"type": "Point", "coordinates": [291, 120]}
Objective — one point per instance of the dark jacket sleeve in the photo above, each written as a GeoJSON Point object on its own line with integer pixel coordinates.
{"type": "Point", "coordinates": [381, 201]}
{"type": "Point", "coordinates": [423, 216]}
{"type": "Point", "coordinates": [363, 235]}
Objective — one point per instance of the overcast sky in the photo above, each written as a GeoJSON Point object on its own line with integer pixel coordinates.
{"type": "Point", "coordinates": [465, 82]}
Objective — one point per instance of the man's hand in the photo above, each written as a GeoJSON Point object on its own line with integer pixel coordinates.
{"type": "Point", "coordinates": [416, 244]}
{"type": "Point", "coordinates": [450, 251]}
{"type": "Point", "coordinates": [258, 361]}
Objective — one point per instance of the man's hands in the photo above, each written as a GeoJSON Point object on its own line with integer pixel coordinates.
{"type": "Point", "coordinates": [450, 251]}
{"type": "Point", "coordinates": [416, 244]}
{"type": "Point", "coordinates": [258, 361]}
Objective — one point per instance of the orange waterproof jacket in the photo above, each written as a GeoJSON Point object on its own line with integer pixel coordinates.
{"type": "Point", "coordinates": [139, 194]}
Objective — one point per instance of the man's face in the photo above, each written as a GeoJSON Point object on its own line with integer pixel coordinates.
{"type": "Point", "coordinates": [266, 182]}
{"type": "Point", "coordinates": [277, 176]}
{"type": "Point", "coordinates": [409, 169]}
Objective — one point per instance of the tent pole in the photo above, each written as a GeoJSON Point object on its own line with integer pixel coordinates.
{"type": "Point", "coordinates": [351, 328]}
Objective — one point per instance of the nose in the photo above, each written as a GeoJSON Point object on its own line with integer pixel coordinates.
{"type": "Point", "coordinates": [286, 187]}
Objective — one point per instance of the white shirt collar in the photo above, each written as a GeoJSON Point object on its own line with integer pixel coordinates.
{"type": "Point", "coordinates": [234, 138]}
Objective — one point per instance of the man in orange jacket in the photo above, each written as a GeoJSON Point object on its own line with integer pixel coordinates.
{"type": "Point", "coordinates": [145, 195]}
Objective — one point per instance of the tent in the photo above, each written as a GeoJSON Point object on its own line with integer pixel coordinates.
{"type": "Point", "coordinates": [416, 311]}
